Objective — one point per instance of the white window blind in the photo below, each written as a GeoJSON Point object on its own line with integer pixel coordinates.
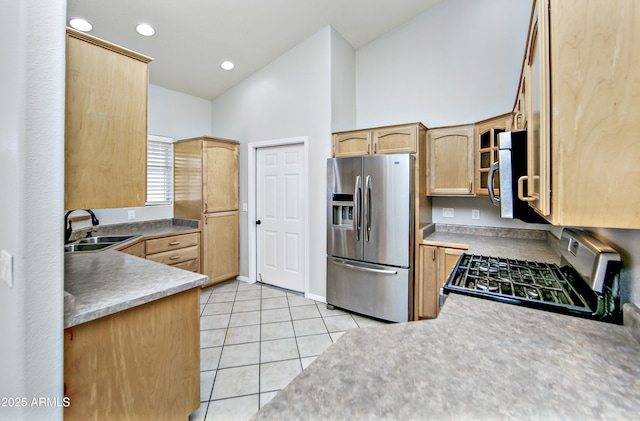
{"type": "Point", "coordinates": [159, 170]}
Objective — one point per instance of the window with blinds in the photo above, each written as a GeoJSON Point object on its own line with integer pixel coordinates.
{"type": "Point", "coordinates": [159, 170]}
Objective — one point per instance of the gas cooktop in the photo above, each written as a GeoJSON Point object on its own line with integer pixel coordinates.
{"type": "Point", "coordinates": [585, 285]}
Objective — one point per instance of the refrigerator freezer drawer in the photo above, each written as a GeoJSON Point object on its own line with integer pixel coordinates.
{"type": "Point", "coordinates": [378, 291]}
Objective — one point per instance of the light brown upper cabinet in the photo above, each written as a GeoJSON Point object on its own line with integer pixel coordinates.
{"type": "Point", "coordinates": [519, 110]}
{"type": "Point", "coordinates": [582, 105]}
{"type": "Point", "coordinates": [450, 161]}
{"type": "Point", "coordinates": [381, 140]}
{"type": "Point", "coordinates": [487, 147]}
{"type": "Point", "coordinates": [105, 124]}
{"type": "Point", "coordinates": [352, 143]}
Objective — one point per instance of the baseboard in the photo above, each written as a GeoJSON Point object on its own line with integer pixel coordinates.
{"type": "Point", "coordinates": [316, 298]}
{"type": "Point", "coordinates": [244, 279]}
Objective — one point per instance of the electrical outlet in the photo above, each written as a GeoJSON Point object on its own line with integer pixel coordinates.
{"type": "Point", "coordinates": [447, 212]}
{"type": "Point", "coordinates": [475, 213]}
{"type": "Point", "coordinates": [6, 267]}
{"type": "Point", "coordinates": [132, 215]}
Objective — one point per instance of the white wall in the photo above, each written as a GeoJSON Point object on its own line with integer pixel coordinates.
{"type": "Point", "coordinates": [171, 114]}
{"type": "Point", "coordinates": [290, 97]}
{"type": "Point", "coordinates": [489, 214]}
{"type": "Point", "coordinates": [343, 84]}
{"type": "Point", "coordinates": [459, 62]}
{"type": "Point", "coordinates": [32, 42]}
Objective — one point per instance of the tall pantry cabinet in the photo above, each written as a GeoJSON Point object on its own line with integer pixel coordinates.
{"type": "Point", "coordinates": [206, 188]}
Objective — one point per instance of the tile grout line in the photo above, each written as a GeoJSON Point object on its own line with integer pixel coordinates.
{"type": "Point", "coordinates": [221, 351]}
{"type": "Point", "coordinates": [260, 350]}
{"type": "Point", "coordinates": [295, 335]}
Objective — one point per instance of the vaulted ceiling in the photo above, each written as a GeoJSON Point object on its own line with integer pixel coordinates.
{"type": "Point", "coordinates": [193, 37]}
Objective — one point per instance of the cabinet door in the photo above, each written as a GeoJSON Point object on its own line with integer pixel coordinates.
{"type": "Point", "coordinates": [136, 249]}
{"type": "Point", "coordinates": [447, 259]}
{"type": "Point", "coordinates": [105, 127]}
{"type": "Point", "coordinates": [538, 180]}
{"type": "Point", "coordinates": [138, 364]}
{"type": "Point", "coordinates": [187, 179]}
{"type": "Point", "coordinates": [400, 139]}
{"type": "Point", "coordinates": [220, 178]}
{"type": "Point", "coordinates": [427, 295]}
{"type": "Point", "coordinates": [596, 113]}
{"type": "Point", "coordinates": [520, 110]}
{"type": "Point", "coordinates": [355, 143]}
{"type": "Point", "coordinates": [450, 161]}
{"type": "Point", "coordinates": [220, 246]}
{"type": "Point", "coordinates": [487, 147]}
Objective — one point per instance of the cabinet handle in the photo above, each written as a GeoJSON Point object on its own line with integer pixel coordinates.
{"type": "Point", "coordinates": [521, 195]}
{"type": "Point", "coordinates": [518, 121]}
{"type": "Point", "coordinates": [174, 257]}
{"type": "Point", "coordinates": [174, 243]}
{"type": "Point", "coordinates": [434, 254]}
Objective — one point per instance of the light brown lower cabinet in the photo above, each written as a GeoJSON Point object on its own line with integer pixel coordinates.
{"type": "Point", "coordinates": [178, 250]}
{"type": "Point", "coordinates": [220, 246]}
{"type": "Point", "coordinates": [139, 364]}
{"type": "Point", "coordinates": [436, 263]}
{"type": "Point", "coordinates": [136, 249]}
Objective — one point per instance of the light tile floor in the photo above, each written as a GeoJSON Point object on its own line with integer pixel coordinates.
{"type": "Point", "coordinates": [254, 339]}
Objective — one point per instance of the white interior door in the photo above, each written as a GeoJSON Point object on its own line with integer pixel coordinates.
{"type": "Point", "coordinates": [280, 247]}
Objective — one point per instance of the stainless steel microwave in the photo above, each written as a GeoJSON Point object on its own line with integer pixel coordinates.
{"type": "Point", "coordinates": [511, 165]}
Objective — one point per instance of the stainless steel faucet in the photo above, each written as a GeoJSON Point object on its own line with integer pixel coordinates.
{"type": "Point", "coordinates": [67, 223]}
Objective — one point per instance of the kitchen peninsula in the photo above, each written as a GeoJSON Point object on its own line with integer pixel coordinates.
{"type": "Point", "coordinates": [132, 336]}
{"type": "Point", "coordinates": [478, 360]}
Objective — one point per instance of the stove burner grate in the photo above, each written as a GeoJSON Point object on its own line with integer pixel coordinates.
{"type": "Point", "coordinates": [540, 284]}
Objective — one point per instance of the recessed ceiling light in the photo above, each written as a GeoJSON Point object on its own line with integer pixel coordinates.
{"type": "Point", "coordinates": [80, 24]}
{"type": "Point", "coordinates": [227, 65]}
{"type": "Point", "coordinates": [145, 29]}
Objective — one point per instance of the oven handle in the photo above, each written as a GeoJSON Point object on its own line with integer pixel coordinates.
{"type": "Point", "coordinates": [495, 167]}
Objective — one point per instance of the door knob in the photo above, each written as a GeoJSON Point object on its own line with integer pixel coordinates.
{"type": "Point", "coordinates": [258, 222]}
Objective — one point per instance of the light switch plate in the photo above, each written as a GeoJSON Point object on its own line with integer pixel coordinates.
{"type": "Point", "coordinates": [6, 267]}
{"type": "Point", "coordinates": [475, 213]}
{"type": "Point", "coordinates": [447, 212]}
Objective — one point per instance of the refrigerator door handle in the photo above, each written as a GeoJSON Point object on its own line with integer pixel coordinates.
{"type": "Point", "coordinates": [365, 269]}
{"type": "Point", "coordinates": [367, 207]}
{"type": "Point", "coordinates": [356, 208]}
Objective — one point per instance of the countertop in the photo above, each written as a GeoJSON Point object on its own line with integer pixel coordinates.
{"type": "Point", "coordinates": [105, 282]}
{"type": "Point", "coordinates": [531, 245]}
{"type": "Point", "coordinates": [479, 359]}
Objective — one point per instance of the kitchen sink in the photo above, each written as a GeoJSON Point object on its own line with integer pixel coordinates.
{"type": "Point", "coordinates": [85, 247]}
{"type": "Point", "coordinates": [96, 243]}
{"type": "Point", "coordinates": [105, 239]}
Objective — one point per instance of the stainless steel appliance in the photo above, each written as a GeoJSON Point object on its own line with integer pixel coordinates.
{"type": "Point", "coordinates": [369, 241]}
{"type": "Point", "coordinates": [512, 167]}
{"type": "Point", "coordinates": [586, 284]}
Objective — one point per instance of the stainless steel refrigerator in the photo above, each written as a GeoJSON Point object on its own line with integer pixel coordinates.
{"type": "Point", "coordinates": [369, 235]}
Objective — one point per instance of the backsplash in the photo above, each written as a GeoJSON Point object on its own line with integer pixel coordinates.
{"type": "Point", "coordinates": [494, 231]}
{"type": "Point", "coordinates": [132, 227]}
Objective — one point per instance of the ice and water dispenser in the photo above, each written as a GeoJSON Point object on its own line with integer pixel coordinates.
{"type": "Point", "coordinates": [342, 209]}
